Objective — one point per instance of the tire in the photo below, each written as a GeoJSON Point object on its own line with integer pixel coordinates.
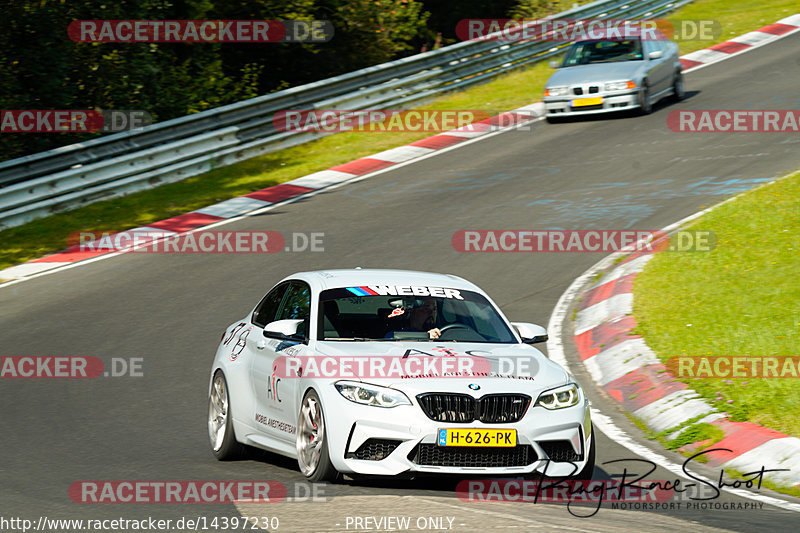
{"type": "Point", "coordinates": [678, 90]}
{"type": "Point", "coordinates": [553, 119]}
{"type": "Point", "coordinates": [220, 421]}
{"type": "Point", "coordinates": [588, 470]}
{"type": "Point", "coordinates": [645, 105]}
{"type": "Point", "coordinates": [312, 441]}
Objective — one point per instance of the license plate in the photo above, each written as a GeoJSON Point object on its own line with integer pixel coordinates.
{"type": "Point", "coordinates": [506, 438]}
{"type": "Point", "coordinates": [587, 101]}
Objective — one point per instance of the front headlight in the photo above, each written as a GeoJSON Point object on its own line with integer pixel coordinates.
{"type": "Point", "coordinates": [620, 85]}
{"type": "Point", "coordinates": [559, 398]}
{"type": "Point", "coordinates": [371, 394]}
{"type": "Point", "coordinates": [556, 91]}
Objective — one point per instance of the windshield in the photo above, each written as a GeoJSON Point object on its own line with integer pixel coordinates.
{"type": "Point", "coordinates": [378, 313]}
{"type": "Point", "coordinates": [586, 52]}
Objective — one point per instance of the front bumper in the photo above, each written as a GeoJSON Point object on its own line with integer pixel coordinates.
{"type": "Point", "coordinates": [387, 442]}
{"type": "Point", "coordinates": [561, 106]}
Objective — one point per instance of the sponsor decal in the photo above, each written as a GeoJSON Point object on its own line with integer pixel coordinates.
{"type": "Point", "coordinates": [405, 290]}
{"type": "Point", "coordinates": [396, 312]}
{"type": "Point", "coordinates": [277, 424]}
{"type": "Point", "coordinates": [241, 340]}
{"type": "Point", "coordinates": [272, 389]}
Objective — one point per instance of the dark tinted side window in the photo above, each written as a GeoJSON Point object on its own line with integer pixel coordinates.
{"type": "Point", "coordinates": [297, 304]}
{"type": "Point", "coordinates": [268, 307]}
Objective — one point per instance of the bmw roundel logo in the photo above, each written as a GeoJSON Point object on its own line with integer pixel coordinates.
{"type": "Point", "coordinates": [474, 386]}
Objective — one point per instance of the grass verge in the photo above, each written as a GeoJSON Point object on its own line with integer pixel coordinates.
{"type": "Point", "coordinates": [741, 299]}
{"type": "Point", "coordinates": [510, 91]}
{"type": "Point", "coordinates": [735, 16]}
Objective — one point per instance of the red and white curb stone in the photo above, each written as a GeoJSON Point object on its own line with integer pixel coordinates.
{"type": "Point", "coordinates": [339, 174]}
{"type": "Point", "coordinates": [622, 364]}
{"type": "Point", "coordinates": [741, 44]}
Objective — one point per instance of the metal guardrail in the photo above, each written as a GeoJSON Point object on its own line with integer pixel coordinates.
{"type": "Point", "coordinates": [57, 180]}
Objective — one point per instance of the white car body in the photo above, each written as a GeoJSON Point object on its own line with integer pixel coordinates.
{"type": "Point", "coordinates": [265, 408]}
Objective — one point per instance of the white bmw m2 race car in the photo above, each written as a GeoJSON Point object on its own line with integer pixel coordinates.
{"type": "Point", "coordinates": [389, 372]}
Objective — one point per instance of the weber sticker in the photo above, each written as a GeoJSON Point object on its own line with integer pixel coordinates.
{"type": "Point", "coordinates": [405, 290]}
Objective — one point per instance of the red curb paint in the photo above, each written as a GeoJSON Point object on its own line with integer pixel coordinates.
{"type": "Point", "coordinates": [605, 336]}
{"type": "Point", "coordinates": [438, 142]}
{"type": "Point", "coordinates": [363, 166]}
{"type": "Point", "coordinates": [729, 47]}
{"type": "Point", "coordinates": [688, 63]}
{"type": "Point", "coordinates": [637, 383]}
{"type": "Point", "coordinates": [617, 395]}
{"type": "Point", "coordinates": [185, 222]}
{"type": "Point", "coordinates": [777, 29]}
{"type": "Point", "coordinates": [278, 193]}
{"type": "Point", "coordinates": [740, 437]}
{"type": "Point", "coordinates": [620, 285]}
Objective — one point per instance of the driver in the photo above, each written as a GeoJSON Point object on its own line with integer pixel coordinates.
{"type": "Point", "coordinates": [420, 317]}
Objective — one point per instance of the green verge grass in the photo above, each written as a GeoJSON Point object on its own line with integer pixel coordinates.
{"type": "Point", "coordinates": [735, 17]}
{"type": "Point", "coordinates": [740, 299]}
{"type": "Point", "coordinates": [510, 91]}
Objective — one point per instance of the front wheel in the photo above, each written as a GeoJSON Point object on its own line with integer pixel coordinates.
{"type": "Point", "coordinates": [312, 441]}
{"type": "Point", "coordinates": [588, 470]}
{"type": "Point", "coordinates": [678, 91]}
{"type": "Point", "coordinates": [220, 422]}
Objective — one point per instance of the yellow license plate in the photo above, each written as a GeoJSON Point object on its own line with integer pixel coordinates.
{"type": "Point", "coordinates": [587, 101]}
{"type": "Point", "coordinates": [478, 437]}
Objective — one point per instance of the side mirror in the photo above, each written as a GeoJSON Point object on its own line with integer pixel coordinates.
{"type": "Point", "coordinates": [554, 64]}
{"type": "Point", "coordinates": [658, 54]}
{"type": "Point", "coordinates": [283, 329]}
{"type": "Point", "coordinates": [530, 333]}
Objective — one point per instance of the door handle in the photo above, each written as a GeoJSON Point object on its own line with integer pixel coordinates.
{"type": "Point", "coordinates": [261, 344]}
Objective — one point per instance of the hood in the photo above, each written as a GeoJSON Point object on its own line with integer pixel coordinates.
{"type": "Point", "coordinates": [596, 73]}
{"type": "Point", "coordinates": [512, 367]}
